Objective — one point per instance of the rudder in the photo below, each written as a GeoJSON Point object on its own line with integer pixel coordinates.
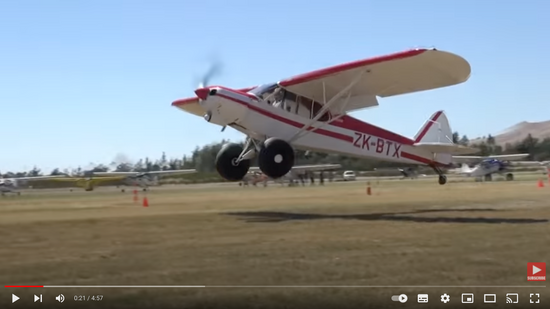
{"type": "Point", "coordinates": [435, 130]}
{"type": "Point", "coordinates": [436, 137]}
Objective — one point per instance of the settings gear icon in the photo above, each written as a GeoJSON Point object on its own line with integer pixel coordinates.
{"type": "Point", "coordinates": [445, 298]}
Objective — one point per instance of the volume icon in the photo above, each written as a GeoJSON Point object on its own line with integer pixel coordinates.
{"type": "Point", "coordinates": [60, 298]}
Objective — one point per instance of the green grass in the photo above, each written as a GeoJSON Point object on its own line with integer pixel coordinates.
{"type": "Point", "coordinates": [406, 233]}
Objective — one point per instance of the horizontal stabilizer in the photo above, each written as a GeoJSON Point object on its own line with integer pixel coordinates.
{"type": "Point", "coordinates": [453, 149]}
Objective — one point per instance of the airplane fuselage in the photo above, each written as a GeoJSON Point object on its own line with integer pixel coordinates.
{"type": "Point", "coordinates": [143, 181]}
{"type": "Point", "coordinates": [9, 186]}
{"type": "Point", "coordinates": [480, 170]}
{"type": "Point", "coordinates": [346, 135]}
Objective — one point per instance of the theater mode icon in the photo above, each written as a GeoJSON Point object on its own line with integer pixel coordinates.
{"type": "Point", "coordinates": [536, 271]}
{"type": "Point", "coordinates": [490, 298]}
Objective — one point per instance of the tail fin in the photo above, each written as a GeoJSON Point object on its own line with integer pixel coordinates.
{"type": "Point", "coordinates": [435, 130]}
{"type": "Point", "coordinates": [436, 136]}
{"type": "Point", "coordinates": [465, 168]}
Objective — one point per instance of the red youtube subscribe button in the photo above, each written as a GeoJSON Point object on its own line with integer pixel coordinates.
{"type": "Point", "coordinates": [536, 271]}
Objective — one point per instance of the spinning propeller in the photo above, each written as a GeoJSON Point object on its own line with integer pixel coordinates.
{"type": "Point", "coordinates": [215, 69]}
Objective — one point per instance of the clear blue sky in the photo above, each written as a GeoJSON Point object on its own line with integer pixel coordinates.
{"type": "Point", "coordinates": [82, 81]}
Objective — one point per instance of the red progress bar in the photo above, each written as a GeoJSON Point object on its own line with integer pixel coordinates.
{"type": "Point", "coordinates": [23, 286]}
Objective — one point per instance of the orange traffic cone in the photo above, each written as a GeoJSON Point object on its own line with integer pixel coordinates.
{"type": "Point", "coordinates": [369, 192]}
{"type": "Point", "coordinates": [541, 184]}
{"type": "Point", "coordinates": [145, 202]}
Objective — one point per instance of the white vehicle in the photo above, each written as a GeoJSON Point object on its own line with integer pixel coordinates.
{"type": "Point", "coordinates": [349, 175]}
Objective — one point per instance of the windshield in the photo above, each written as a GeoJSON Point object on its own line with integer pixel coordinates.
{"type": "Point", "coordinates": [263, 89]}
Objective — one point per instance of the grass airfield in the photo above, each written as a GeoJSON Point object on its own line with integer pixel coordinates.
{"type": "Point", "coordinates": [408, 233]}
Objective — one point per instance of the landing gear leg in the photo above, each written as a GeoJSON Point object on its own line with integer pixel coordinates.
{"type": "Point", "coordinates": [442, 178]}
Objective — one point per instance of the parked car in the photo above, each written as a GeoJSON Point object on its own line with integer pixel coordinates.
{"type": "Point", "coordinates": [349, 175]}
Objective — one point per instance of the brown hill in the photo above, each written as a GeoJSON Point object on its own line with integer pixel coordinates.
{"type": "Point", "coordinates": [518, 132]}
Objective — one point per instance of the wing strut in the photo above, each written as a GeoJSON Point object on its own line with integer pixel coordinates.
{"type": "Point", "coordinates": [326, 106]}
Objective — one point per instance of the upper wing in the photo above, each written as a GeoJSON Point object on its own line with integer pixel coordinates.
{"type": "Point", "coordinates": [192, 106]}
{"type": "Point", "coordinates": [173, 172]}
{"type": "Point", "coordinates": [67, 179]}
{"type": "Point", "coordinates": [313, 168]}
{"type": "Point", "coordinates": [40, 177]}
{"type": "Point", "coordinates": [158, 173]}
{"type": "Point", "coordinates": [318, 167]}
{"type": "Point", "coordinates": [120, 174]}
{"type": "Point", "coordinates": [471, 159]}
{"type": "Point", "coordinates": [529, 163]}
{"type": "Point", "coordinates": [511, 157]}
{"type": "Point", "coordinates": [79, 179]}
{"type": "Point", "coordinates": [390, 75]}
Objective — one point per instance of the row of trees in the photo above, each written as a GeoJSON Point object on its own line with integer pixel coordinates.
{"type": "Point", "coordinates": [203, 158]}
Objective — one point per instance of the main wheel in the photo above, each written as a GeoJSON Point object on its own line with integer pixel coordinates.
{"type": "Point", "coordinates": [276, 158]}
{"type": "Point", "coordinates": [509, 177]}
{"type": "Point", "coordinates": [489, 177]}
{"type": "Point", "coordinates": [442, 179]}
{"type": "Point", "coordinates": [226, 163]}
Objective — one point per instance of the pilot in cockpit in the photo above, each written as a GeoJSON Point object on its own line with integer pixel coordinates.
{"type": "Point", "coordinates": [278, 97]}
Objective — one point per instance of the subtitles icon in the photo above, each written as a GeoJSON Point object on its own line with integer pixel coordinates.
{"type": "Point", "coordinates": [512, 298]}
{"type": "Point", "coordinates": [422, 298]}
{"type": "Point", "coordinates": [490, 298]}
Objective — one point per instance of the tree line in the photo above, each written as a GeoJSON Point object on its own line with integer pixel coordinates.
{"type": "Point", "coordinates": [203, 158]}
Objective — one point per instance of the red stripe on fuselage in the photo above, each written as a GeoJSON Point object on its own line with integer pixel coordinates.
{"type": "Point", "coordinates": [349, 123]}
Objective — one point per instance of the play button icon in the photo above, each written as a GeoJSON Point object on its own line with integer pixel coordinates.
{"type": "Point", "coordinates": [536, 269]}
{"type": "Point", "coordinates": [14, 298]}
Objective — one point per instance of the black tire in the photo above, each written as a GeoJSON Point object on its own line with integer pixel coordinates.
{"type": "Point", "coordinates": [442, 179]}
{"type": "Point", "coordinates": [272, 151]}
{"type": "Point", "coordinates": [225, 163]}
{"type": "Point", "coordinates": [509, 177]}
{"type": "Point", "coordinates": [489, 177]}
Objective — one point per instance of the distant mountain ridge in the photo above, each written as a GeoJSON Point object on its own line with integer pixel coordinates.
{"type": "Point", "coordinates": [518, 132]}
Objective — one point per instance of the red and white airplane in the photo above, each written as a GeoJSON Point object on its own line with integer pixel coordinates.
{"type": "Point", "coordinates": [310, 112]}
